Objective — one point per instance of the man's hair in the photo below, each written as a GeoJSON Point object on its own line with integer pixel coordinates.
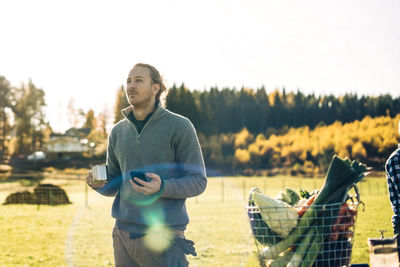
{"type": "Point", "coordinates": [156, 77]}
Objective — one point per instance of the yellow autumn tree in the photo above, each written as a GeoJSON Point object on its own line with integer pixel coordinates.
{"type": "Point", "coordinates": [243, 138]}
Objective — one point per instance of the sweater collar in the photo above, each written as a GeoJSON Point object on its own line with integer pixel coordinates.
{"type": "Point", "coordinates": [129, 109]}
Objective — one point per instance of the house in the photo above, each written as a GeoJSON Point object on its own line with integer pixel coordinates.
{"type": "Point", "coordinates": [72, 143]}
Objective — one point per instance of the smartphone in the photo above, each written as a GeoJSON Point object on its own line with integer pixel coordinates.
{"type": "Point", "coordinates": [140, 175]}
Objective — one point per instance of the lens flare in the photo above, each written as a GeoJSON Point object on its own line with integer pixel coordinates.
{"type": "Point", "coordinates": [158, 238]}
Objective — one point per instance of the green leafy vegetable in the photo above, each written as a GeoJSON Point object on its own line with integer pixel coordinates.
{"type": "Point", "coordinates": [289, 196]}
{"type": "Point", "coordinates": [304, 193]}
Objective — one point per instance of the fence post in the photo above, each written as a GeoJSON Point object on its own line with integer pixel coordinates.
{"type": "Point", "coordinates": [244, 188]}
{"type": "Point", "coordinates": [385, 187]}
{"type": "Point", "coordinates": [369, 188]}
{"type": "Point", "coordinates": [86, 193]}
{"type": "Point", "coordinates": [222, 190]}
{"type": "Point", "coordinates": [37, 185]}
{"type": "Point", "coordinates": [265, 185]}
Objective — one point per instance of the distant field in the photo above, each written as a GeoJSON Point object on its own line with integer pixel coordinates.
{"type": "Point", "coordinates": [76, 235]}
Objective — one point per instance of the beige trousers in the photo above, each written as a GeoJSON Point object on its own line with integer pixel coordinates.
{"type": "Point", "coordinates": [135, 252]}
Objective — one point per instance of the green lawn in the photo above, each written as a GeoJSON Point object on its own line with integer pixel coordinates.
{"type": "Point", "coordinates": [76, 235]}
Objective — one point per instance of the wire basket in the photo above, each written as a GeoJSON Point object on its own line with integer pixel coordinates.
{"type": "Point", "coordinates": [329, 236]}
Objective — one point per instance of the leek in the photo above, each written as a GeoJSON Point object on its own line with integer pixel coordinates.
{"type": "Point", "coordinates": [313, 250]}
{"type": "Point", "coordinates": [301, 250]}
{"type": "Point", "coordinates": [282, 260]}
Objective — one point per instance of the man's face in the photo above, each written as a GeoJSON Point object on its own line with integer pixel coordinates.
{"type": "Point", "coordinates": [140, 90]}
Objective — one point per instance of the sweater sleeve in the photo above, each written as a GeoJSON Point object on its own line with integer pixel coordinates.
{"type": "Point", "coordinates": [190, 161]}
{"type": "Point", "coordinates": [114, 176]}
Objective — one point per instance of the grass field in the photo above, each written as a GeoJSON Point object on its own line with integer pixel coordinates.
{"type": "Point", "coordinates": [80, 235]}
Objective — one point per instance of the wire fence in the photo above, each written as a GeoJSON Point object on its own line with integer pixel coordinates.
{"type": "Point", "coordinates": [37, 188]}
{"type": "Point", "coordinates": [272, 186]}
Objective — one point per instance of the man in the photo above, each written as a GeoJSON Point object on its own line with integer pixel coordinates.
{"type": "Point", "coordinates": [150, 211]}
{"type": "Point", "coordinates": [392, 169]}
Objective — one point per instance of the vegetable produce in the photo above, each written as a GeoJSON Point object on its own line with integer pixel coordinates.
{"type": "Point", "coordinates": [345, 220]}
{"type": "Point", "coordinates": [296, 260]}
{"type": "Point", "coordinates": [282, 260]}
{"type": "Point", "coordinates": [304, 193]}
{"type": "Point", "coordinates": [278, 215]}
{"type": "Point", "coordinates": [301, 202]}
{"type": "Point", "coordinates": [260, 229]}
{"type": "Point", "coordinates": [341, 175]}
{"type": "Point", "coordinates": [302, 209]}
{"type": "Point", "coordinates": [289, 196]}
{"type": "Point", "coordinates": [313, 250]}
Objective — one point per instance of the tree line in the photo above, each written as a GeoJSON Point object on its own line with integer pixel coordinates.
{"type": "Point", "coordinates": [228, 122]}
{"type": "Point", "coordinates": [227, 110]}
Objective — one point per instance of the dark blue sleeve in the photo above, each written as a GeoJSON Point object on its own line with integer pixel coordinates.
{"type": "Point", "coordinates": [392, 168]}
{"type": "Point", "coordinates": [114, 176]}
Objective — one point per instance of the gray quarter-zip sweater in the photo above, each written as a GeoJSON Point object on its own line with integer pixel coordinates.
{"type": "Point", "coordinates": [167, 146]}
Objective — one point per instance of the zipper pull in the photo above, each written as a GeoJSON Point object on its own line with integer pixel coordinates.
{"type": "Point", "coordinates": [138, 139]}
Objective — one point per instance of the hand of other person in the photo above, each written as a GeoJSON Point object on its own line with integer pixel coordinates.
{"type": "Point", "coordinates": [396, 229]}
{"type": "Point", "coordinates": [147, 188]}
{"type": "Point", "coordinates": [91, 184]}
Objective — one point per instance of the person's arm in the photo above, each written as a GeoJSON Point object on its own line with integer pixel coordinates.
{"type": "Point", "coordinates": [114, 176]}
{"type": "Point", "coordinates": [393, 179]}
{"type": "Point", "coordinates": [190, 161]}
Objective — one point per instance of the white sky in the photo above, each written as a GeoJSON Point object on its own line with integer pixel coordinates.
{"type": "Point", "coordinates": [84, 49]}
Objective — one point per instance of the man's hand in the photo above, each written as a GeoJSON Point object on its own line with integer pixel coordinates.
{"type": "Point", "coordinates": [147, 188]}
{"type": "Point", "coordinates": [175, 254]}
{"type": "Point", "coordinates": [91, 184]}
